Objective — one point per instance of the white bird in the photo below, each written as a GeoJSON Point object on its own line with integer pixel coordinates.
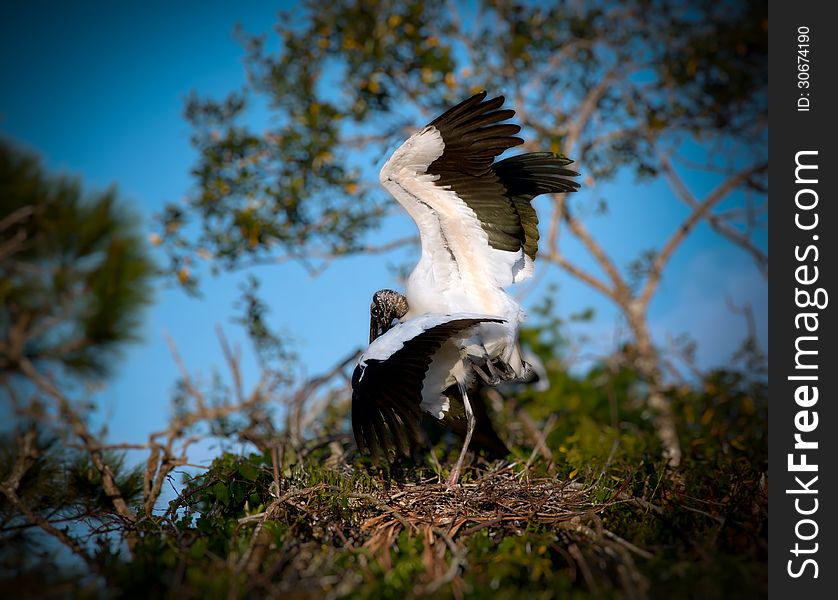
{"type": "Point", "coordinates": [479, 234]}
{"type": "Point", "coordinates": [393, 384]}
{"type": "Point", "coordinates": [477, 228]}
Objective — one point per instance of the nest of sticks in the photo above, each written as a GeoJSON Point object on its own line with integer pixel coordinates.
{"type": "Point", "coordinates": [328, 519]}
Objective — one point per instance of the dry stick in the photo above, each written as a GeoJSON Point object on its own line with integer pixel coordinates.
{"type": "Point", "coordinates": [282, 500]}
{"type": "Point", "coordinates": [232, 363]}
{"type": "Point", "coordinates": [13, 245]}
{"type": "Point", "coordinates": [19, 215]}
{"type": "Point", "coordinates": [747, 311]}
{"type": "Point", "coordinates": [159, 467]}
{"type": "Point", "coordinates": [184, 374]}
{"type": "Point", "coordinates": [17, 337]}
{"type": "Point", "coordinates": [529, 425]}
{"type": "Point", "coordinates": [457, 560]}
{"type": "Point", "coordinates": [47, 527]}
{"type": "Point", "coordinates": [276, 462]}
{"type": "Point", "coordinates": [256, 542]}
{"type": "Point", "coordinates": [295, 416]}
{"type": "Point", "coordinates": [577, 555]}
{"type": "Point", "coordinates": [542, 438]}
{"type": "Point", "coordinates": [627, 545]}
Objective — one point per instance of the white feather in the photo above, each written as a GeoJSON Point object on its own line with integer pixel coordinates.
{"type": "Point", "coordinates": [458, 269]}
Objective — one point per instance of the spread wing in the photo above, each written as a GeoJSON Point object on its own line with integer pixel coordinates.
{"type": "Point", "coordinates": [478, 210]}
{"type": "Point", "coordinates": [387, 383]}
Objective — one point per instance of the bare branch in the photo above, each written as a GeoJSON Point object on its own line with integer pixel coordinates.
{"type": "Point", "coordinates": [621, 292]}
{"type": "Point", "coordinates": [717, 222]}
{"type": "Point", "coordinates": [699, 212]}
{"type": "Point", "coordinates": [232, 363]}
{"type": "Point", "coordinates": [13, 245]}
{"type": "Point", "coordinates": [295, 415]}
{"type": "Point", "coordinates": [592, 281]}
{"type": "Point", "coordinates": [586, 110]}
{"type": "Point", "coordinates": [17, 216]}
{"type": "Point", "coordinates": [325, 256]}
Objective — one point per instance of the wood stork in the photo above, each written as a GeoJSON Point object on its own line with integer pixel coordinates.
{"type": "Point", "coordinates": [477, 227]}
{"type": "Point", "coordinates": [479, 234]}
{"type": "Point", "coordinates": [418, 366]}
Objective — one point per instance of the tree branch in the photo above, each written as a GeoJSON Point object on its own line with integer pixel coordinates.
{"type": "Point", "coordinates": [716, 222]}
{"type": "Point", "coordinates": [26, 457]}
{"type": "Point", "coordinates": [621, 293]}
{"type": "Point", "coordinates": [592, 281]}
{"type": "Point", "coordinates": [700, 210]}
{"type": "Point", "coordinates": [92, 445]}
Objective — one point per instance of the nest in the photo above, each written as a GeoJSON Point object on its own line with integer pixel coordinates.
{"type": "Point", "coordinates": [500, 503]}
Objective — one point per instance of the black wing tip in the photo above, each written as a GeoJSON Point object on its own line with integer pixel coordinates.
{"type": "Point", "coordinates": [383, 423]}
{"type": "Point", "coordinates": [475, 105]}
{"type": "Point", "coordinates": [543, 158]}
{"type": "Point", "coordinates": [536, 173]}
{"type": "Point", "coordinates": [480, 96]}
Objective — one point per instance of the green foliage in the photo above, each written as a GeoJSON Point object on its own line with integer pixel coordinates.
{"type": "Point", "coordinates": [64, 487]}
{"type": "Point", "coordinates": [74, 272]}
{"type": "Point", "coordinates": [67, 482]}
{"type": "Point", "coordinates": [311, 523]}
{"type": "Point", "coordinates": [348, 77]}
{"type": "Point", "coordinates": [309, 519]}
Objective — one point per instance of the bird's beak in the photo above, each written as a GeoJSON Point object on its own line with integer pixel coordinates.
{"type": "Point", "coordinates": [379, 327]}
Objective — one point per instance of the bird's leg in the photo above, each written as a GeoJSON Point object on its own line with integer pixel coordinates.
{"type": "Point", "coordinates": [492, 369]}
{"type": "Point", "coordinates": [503, 369]}
{"type": "Point", "coordinates": [454, 476]}
{"type": "Point", "coordinates": [485, 377]}
{"type": "Point", "coordinates": [491, 378]}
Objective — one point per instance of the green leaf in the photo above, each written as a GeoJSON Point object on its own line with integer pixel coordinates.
{"type": "Point", "coordinates": [221, 493]}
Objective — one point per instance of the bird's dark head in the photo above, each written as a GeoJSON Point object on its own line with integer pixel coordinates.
{"type": "Point", "coordinates": [386, 306]}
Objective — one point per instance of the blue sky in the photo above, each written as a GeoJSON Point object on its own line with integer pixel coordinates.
{"type": "Point", "coordinates": [98, 89]}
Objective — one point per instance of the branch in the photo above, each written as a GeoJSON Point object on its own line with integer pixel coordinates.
{"type": "Point", "coordinates": [716, 222]}
{"type": "Point", "coordinates": [325, 256]}
{"type": "Point", "coordinates": [90, 443]}
{"type": "Point", "coordinates": [592, 281]}
{"type": "Point", "coordinates": [586, 110]}
{"type": "Point", "coordinates": [16, 216]}
{"type": "Point", "coordinates": [555, 256]}
{"type": "Point", "coordinates": [700, 210]}
{"type": "Point", "coordinates": [13, 245]}
{"type": "Point", "coordinates": [295, 415]}
{"type": "Point", "coordinates": [621, 293]}
{"type": "Point", "coordinates": [27, 456]}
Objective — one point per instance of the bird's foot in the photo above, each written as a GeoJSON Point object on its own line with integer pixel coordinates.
{"type": "Point", "coordinates": [491, 378]}
{"type": "Point", "coordinates": [507, 373]}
